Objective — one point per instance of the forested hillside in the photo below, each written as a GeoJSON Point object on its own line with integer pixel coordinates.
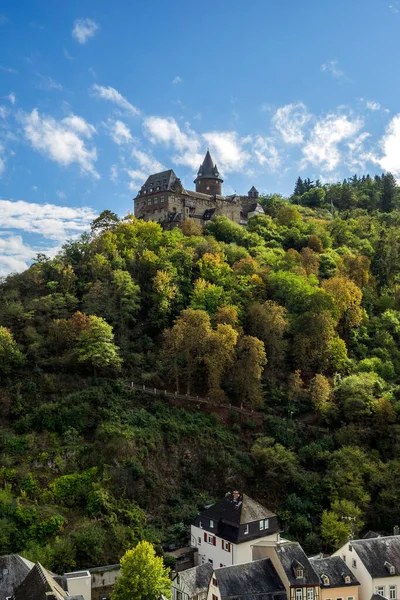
{"type": "Point", "coordinates": [296, 316]}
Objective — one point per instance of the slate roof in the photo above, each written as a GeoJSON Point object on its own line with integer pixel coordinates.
{"type": "Point", "coordinates": [257, 579]}
{"type": "Point", "coordinates": [256, 207]}
{"type": "Point", "coordinates": [14, 569]}
{"type": "Point", "coordinates": [165, 180]}
{"type": "Point", "coordinates": [378, 597]}
{"type": "Point", "coordinates": [37, 584]}
{"type": "Point", "coordinates": [252, 190]}
{"type": "Point", "coordinates": [208, 169]}
{"type": "Point", "coordinates": [194, 581]}
{"type": "Point", "coordinates": [374, 552]}
{"type": "Point", "coordinates": [237, 512]}
{"type": "Point", "coordinates": [371, 534]}
{"type": "Point", "coordinates": [336, 569]}
{"type": "Point", "coordinates": [292, 555]}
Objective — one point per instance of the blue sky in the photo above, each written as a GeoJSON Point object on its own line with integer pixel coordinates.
{"type": "Point", "coordinates": [96, 95]}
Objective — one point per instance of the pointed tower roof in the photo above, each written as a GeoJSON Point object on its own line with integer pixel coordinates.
{"type": "Point", "coordinates": [208, 169]}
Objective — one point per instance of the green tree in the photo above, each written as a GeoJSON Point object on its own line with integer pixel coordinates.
{"type": "Point", "coordinates": [95, 345]}
{"type": "Point", "coordinates": [143, 575]}
{"type": "Point", "coordinates": [10, 355]}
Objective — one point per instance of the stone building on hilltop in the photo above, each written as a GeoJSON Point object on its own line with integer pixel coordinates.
{"type": "Point", "coordinates": [162, 198]}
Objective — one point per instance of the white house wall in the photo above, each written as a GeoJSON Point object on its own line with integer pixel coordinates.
{"type": "Point", "coordinates": [366, 588]}
{"type": "Point", "coordinates": [239, 553]}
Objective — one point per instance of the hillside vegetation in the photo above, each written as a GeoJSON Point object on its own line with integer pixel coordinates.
{"type": "Point", "coordinates": [296, 316]}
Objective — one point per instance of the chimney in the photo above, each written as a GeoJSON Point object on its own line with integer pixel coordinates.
{"type": "Point", "coordinates": [235, 495]}
{"type": "Point", "coordinates": [396, 530]}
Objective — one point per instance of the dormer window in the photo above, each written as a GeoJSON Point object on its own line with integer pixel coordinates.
{"type": "Point", "coordinates": [325, 579]}
{"type": "Point", "coordinates": [201, 524]}
{"type": "Point", "coordinates": [347, 579]}
{"type": "Point", "coordinates": [390, 568]}
{"type": "Point", "coordinates": [264, 524]}
{"type": "Point", "coordinates": [246, 529]}
{"type": "Point", "coordinates": [211, 524]}
{"type": "Point", "coordinates": [299, 573]}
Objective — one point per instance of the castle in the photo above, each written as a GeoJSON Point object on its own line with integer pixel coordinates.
{"type": "Point", "coordinates": [162, 198]}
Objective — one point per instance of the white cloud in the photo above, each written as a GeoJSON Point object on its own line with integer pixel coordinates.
{"type": "Point", "coordinates": [167, 131]}
{"type": "Point", "coordinates": [147, 162]}
{"type": "Point", "coordinates": [332, 67]}
{"type": "Point", "coordinates": [45, 82]}
{"type": "Point", "coordinates": [67, 54]}
{"type": "Point", "coordinates": [62, 141]}
{"type": "Point", "coordinates": [12, 98]}
{"type": "Point", "coordinates": [266, 152]}
{"type": "Point", "coordinates": [390, 147]}
{"type": "Point", "coordinates": [372, 105]}
{"type": "Point", "coordinates": [48, 220]}
{"type": "Point", "coordinates": [290, 121]}
{"type": "Point", "coordinates": [227, 150]}
{"type": "Point", "coordinates": [3, 112]}
{"type": "Point", "coordinates": [358, 157]}
{"type": "Point", "coordinates": [322, 148]}
{"type": "Point", "coordinates": [119, 132]}
{"type": "Point", "coordinates": [55, 224]}
{"type": "Point", "coordinates": [177, 79]}
{"type": "Point", "coordinates": [84, 29]}
{"type": "Point", "coordinates": [111, 94]}
{"type": "Point", "coordinates": [8, 69]}
{"type": "Point", "coordinates": [2, 165]}
{"type": "Point", "coordinates": [138, 177]}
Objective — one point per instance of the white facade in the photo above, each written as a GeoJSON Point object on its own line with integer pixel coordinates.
{"type": "Point", "coordinates": [79, 584]}
{"type": "Point", "coordinates": [386, 586]}
{"type": "Point", "coordinates": [222, 553]}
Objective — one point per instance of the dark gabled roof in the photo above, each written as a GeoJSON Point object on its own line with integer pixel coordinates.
{"type": "Point", "coordinates": [256, 207]}
{"type": "Point", "coordinates": [370, 534]}
{"type": "Point", "coordinates": [165, 180]}
{"type": "Point", "coordinates": [195, 581]}
{"type": "Point", "coordinates": [256, 579]}
{"type": "Point", "coordinates": [252, 190]}
{"type": "Point", "coordinates": [375, 552]}
{"type": "Point", "coordinates": [37, 584]}
{"type": "Point", "coordinates": [237, 512]}
{"type": "Point", "coordinates": [378, 597]}
{"type": "Point", "coordinates": [208, 169]}
{"type": "Point", "coordinates": [14, 569]}
{"type": "Point", "coordinates": [292, 554]}
{"type": "Point", "coordinates": [336, 569]}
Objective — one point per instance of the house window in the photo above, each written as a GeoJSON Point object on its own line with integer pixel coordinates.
{"type": "Point", "coordinates": [246, 529]}
{"type": "Point", "coordinates": [310, 594]}
{"type": "Point", "coordinates": [199, 541]}
{"type": "Point", "coordinates": [325, 579]}
{"type": "Point", "coordinates": [155, 200]}
{"type": "Point", "coordinates": [354, 563]}
{"type": "Point", "coordinates": [392, 592]}
{"type": "Point", "coordinates": [149, 201]}
{"type": "Point", "coordinates": [151, 189]}
{"type": "Point", "coordinates": [264, 524]}
{"type": "Point", "coordinates": [179, 596]}
{"type": "Point", "coordinates": [350, 597]}
{"type": "Point", "coordinates": [380, 590]}
{"type": "Point", "coordinates": [226, 546]}
{"type": "Point", "coordinates": [211, 524]}
{"type": "Point", "coordinates": [350, 548]}
{"type": "Point", "coordinates": [211, 539]}
{"type": "Point", "coordinates": [299, 594]}
{"type": "Point", "coordinates": [344, 558]}
{"type": "Point", "coordinates": [201, 524]}
{"type": "Point", "coordinates": [299, 573]}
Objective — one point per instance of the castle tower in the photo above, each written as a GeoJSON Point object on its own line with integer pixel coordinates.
{"type": "Point", "coordinates": [208, 180]}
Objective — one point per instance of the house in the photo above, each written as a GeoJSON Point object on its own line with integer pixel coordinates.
{"type": "Point", "coordinates": [13, 570]}
{"type": "Point", "coordinates": [256, 580]}
{"type": "Point", "coordinates": [337, 581]}
{"type": "Point", "coordinates": [376, 564]}
{"type": "Point", "coordinates": [162, 198]}
{"type": "Point", "coordinates": [225, 532]}
{"type": "Point", "coordinates": [39, 584]}
{"type": "Point", "coordinates": [293, 567]}
{"type": "Point", "coordinates": [192, 584]}
{"type": "Point", "coordinates": [103, 580]}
